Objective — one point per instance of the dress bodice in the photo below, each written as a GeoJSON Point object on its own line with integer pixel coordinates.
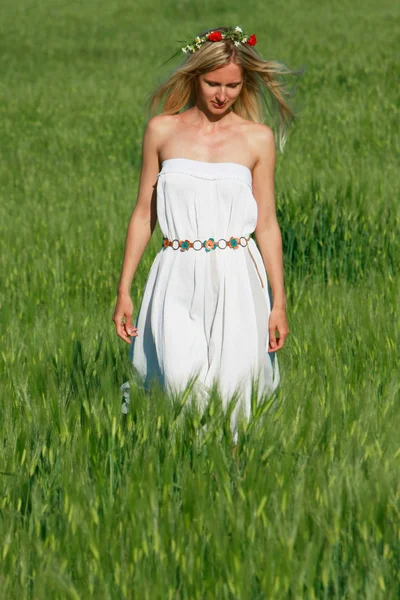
{"type": "Point", "coordinates": [198, 200]}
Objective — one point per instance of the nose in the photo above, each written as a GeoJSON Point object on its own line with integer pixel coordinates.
{"type": "Point", "coordinates": [221, 95]}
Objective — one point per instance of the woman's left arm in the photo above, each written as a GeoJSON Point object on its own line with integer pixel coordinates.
{"type": "Point", "coordinates": [268, 234]}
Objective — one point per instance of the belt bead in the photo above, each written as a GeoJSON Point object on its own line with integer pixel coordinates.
{"type": "Point", "coordinates": [210, 244]}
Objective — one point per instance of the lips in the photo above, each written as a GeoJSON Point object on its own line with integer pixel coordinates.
{"type": "Point", "coordinates": [219, 105]}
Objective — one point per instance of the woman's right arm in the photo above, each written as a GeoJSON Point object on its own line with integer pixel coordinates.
{"type": "Point", "coordinates": [141, 226]}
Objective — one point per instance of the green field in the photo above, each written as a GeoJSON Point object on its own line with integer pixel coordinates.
{"type": "Point", "coordinates": [96, 504]}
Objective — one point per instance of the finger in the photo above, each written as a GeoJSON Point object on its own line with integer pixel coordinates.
{"type": "Point", "coordinates": [272, 337]}
{"type": "Point", "coordinates": [125, 337]}
{"type": "Point", "coordinates": [130, 331]}
{"type": "Point", "coordinates": [281, 340]}
{"type": "Point", "coordinates": [274, 349]}
{"type": "Point", "coordinates": [133, 331]}
{"type": "Point", "coordinates": [279, 344]}
{"type": "Point", "coordinates": [121, 331]}
{"type": "Point", "coordinates": [129, 328]}
{"type": "Point", "coordinates": [119, 326]}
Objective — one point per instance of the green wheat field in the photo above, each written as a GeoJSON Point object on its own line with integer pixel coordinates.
{"type": "Point", "coordinates": [154, 504]}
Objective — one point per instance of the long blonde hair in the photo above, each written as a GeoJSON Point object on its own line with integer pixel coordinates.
{"type": "Point", "coordinates": [264, 88]}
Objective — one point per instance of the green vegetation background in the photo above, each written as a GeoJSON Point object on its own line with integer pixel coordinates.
{"type": "Point", "coordinates": [96, 504]}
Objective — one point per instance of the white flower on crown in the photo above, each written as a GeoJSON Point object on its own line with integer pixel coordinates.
{"type": "Point", "coordinates": [198, 40]}
{"type": "Point", "coordinates": [238, 29]}
{"type": "Point", "coordinates": [236, 43]}
{"type": "Point", "coordinates": [184, 50]}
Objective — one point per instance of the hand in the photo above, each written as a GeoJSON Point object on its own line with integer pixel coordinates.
{"type": "Point", "coordinates": [124, 310]}
{"type": "Point", "coordinates": [277, 323]}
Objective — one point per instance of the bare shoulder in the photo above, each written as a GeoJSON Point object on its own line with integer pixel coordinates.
{"type": "Point", "coordinates": [255, 129]}
{"type": "Point", "coordinates": [161, 124]}
{"type": "Point", "coordinates": [264, 133]}
{"type": "Point", "coordinates": [262, 138]}
{"type": "Point", "coordinates": [262, 142]}
{"type": "Point", "coordinates": [159, 128]}
{"type": "Point", "coordinates": [161, 121]}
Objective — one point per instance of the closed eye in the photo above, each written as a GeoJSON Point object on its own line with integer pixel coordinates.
{"type": "Point", "coordinates": [232, 85]}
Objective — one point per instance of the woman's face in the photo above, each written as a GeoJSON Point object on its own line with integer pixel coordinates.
{"type": "Point", "coordinates": [217, 90]}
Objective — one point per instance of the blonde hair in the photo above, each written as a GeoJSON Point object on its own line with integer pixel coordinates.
{"type": "Point", "coordinates": [264, 88]}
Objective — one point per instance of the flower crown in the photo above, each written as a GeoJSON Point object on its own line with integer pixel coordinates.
{"type": "Point", "coordinates": [235, 34]}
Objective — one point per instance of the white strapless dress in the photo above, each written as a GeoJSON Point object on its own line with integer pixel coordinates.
{"type": "Point", "coordinates": [206, 313]}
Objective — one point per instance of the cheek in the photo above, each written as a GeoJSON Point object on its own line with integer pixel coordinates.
{"type": "Point", "coordinates": [232, 94]}
{"type": "Point", "coordinates": [235, 93]}
{"type": "Point", "coordinates": [207, 92]}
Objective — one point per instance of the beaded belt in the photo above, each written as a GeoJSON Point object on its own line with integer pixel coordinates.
{"type": "Point", "coordinates": [210, 244]}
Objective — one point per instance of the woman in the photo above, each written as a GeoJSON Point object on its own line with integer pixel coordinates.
{"type": "Point", "coordinates": [208, 176]}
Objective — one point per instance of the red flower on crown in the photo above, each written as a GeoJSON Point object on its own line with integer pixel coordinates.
{"type": "Point", "coordinates": [214, 36]}
{"type": "Point", "coordinates": [252, 41]}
